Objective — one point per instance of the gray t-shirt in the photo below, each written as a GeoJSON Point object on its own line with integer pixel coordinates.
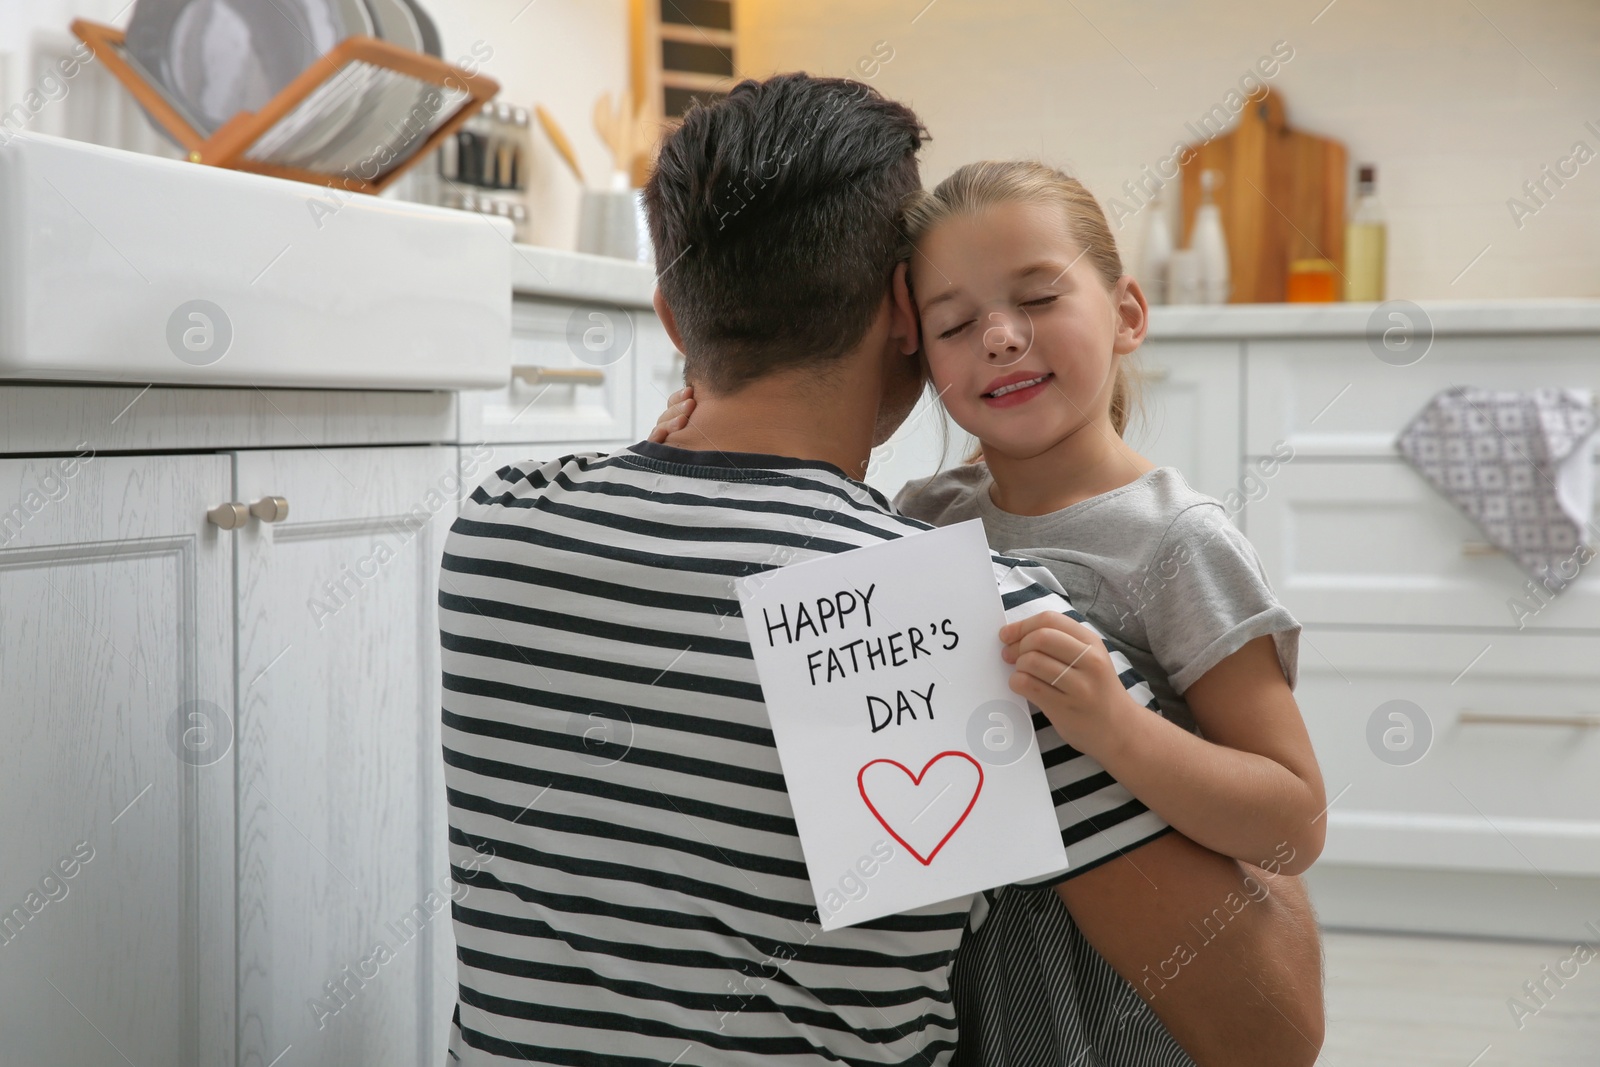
{"type": "Point", "coordinates": [1156, 565]}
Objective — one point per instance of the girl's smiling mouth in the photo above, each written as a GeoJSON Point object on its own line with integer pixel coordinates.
{"type": "Point", "coordinates": [1016, 388]}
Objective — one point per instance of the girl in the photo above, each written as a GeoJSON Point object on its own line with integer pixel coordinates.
{"type": "Point", "coordinates": [1027, 324]}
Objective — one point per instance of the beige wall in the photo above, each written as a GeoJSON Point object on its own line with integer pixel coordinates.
{"type": "Point", "coordinates": [1456, 113]}
{"type": "Point", "coordinates": [559, 53]}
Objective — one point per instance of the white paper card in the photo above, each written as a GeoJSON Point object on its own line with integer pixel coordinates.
{"type": "Point", "coordinates": [910, 763]}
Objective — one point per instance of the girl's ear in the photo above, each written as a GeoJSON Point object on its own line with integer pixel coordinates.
{"type": "Point", "coordinates": [1132, 315]}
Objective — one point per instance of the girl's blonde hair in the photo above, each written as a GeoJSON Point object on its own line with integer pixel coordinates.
{"type": "Point", "coordinates": [981, 185]}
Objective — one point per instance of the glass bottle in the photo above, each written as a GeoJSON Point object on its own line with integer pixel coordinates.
{"type": "Point", "coordinates": [1365, 241]}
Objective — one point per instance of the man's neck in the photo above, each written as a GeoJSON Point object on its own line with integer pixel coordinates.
{"type": "Point", "coordinates": [801, 415]}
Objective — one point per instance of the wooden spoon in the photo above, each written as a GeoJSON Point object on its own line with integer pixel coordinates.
{"type": "Point", "coordinates": [558, 138]}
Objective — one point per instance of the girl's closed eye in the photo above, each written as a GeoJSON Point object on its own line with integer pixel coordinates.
{"type": "Point", "coordinates": [1036, 302]}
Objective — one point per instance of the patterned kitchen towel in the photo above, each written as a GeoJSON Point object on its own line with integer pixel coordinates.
{"type": "Point", "coordinates": [1519, 464]}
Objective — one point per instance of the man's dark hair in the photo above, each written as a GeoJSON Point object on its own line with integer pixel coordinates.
{"type": "Point", "coordinates": [775, 214]}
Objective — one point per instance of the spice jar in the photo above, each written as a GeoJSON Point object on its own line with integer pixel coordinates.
{"type": "Point", "coordinates": [1312, 281]}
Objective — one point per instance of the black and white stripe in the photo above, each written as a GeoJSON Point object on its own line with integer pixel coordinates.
{"type": "Point", "coordinates": [1030, 991]}
{"type": "Point", "coordinates": [634, 890]}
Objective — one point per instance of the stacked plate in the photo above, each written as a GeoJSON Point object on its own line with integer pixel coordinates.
{"type": "Point", "coordinates": [216, 58]}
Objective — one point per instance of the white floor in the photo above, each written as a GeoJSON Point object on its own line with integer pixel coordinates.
{"type": "Point", "coordinates": [1397, 1001]}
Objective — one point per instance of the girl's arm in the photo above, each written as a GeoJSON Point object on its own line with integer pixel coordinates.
{"type": "Point", "coordinates": [1250, 789]}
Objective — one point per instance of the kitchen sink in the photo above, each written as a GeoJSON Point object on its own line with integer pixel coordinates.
{"type": "Point", "coordinates": [121, 267]}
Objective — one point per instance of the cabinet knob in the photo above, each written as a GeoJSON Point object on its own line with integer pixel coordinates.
{"type": "Point", "coordinates": [270, 509]}
{"type": "Point", "coordinates": [228, 516]}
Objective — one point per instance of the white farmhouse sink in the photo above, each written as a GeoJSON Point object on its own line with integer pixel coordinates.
{"type": "Point", "coordinates": [120, 267]}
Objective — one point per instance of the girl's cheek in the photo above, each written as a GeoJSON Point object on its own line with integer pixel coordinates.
{"type": "Point", "coordinates": [943, 364]}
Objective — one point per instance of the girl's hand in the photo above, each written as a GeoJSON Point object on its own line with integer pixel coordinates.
{"type": "Point", "coordinates": [1065, 669]}
{"type": "Point", "coordinates": [676, 417]}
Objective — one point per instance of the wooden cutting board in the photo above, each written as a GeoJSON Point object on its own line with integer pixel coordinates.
{"type": "Point", "coordinates": [1282, 197]}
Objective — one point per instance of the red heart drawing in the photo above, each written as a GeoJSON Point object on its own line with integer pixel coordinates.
{"type": "Point", "coordinates": [916, 782]}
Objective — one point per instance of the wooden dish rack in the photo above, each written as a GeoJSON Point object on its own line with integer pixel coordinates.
{"type": "Point", "coordinates": [234, 143]}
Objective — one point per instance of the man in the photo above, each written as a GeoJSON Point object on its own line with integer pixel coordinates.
{"type": "Point", "coordinates": [644, 899]}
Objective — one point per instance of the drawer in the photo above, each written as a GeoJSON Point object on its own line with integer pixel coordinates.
{"type": "Point", "coordinates": [1519, 796]}
{"type": "Point", "coordinates": [572, 374]}
{"type": "Point", "coordinates": [1334, 397]}
{"type": "Point", "coordinates": [1372, 542]}
{"type": "Point", "coordinates": [1191, 411]}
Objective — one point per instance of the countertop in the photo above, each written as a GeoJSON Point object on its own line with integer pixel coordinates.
{"type": "Point", "coordinates": [554, 274]}
{"type": "Point", "coordinates": [1346, 320]}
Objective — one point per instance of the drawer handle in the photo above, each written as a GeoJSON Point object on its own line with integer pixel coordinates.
{"type": "Point", "coordinates": [1478, 548]}
{"type": "Point", "coordinates": [559, 376]}
{"type": "Point", "coordinates": [1580, 721]}
{"type": "Point", "coordinates": [1157, 374]}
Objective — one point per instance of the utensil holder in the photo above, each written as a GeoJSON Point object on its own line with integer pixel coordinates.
{"type": "Point", "coordinates": [608, 223]}
{"type": "Point", "coordinates": [237, 143]}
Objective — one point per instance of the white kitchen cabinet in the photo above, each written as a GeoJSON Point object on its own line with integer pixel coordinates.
{"type": "Point", "coordinates": [1191, 411]}
{"type": "Point", "coordinates": [1488, 765]}
{"type": "Point", "coordinates": [1371, 542]}
{"type": "Point", "coordinates": [1333, 397]}
{"type": "Point", "coordinates": [116, 690]}
{"type": "Point", "coordinates": [573, 366]}
{"type": "Point", "coordinates": [344, 941]}
{"type": "Point", "coordinates": [1496, 830]}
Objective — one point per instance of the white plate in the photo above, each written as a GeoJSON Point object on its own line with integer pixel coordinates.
{"type": "Point", "coordinates": [388, 103]}
{"type": "Point", "coordinates": [432, 44]}
{"type": "Point", "coordinates": [298, 144]}
{"type": "Point", "coordinates": [220, 57]}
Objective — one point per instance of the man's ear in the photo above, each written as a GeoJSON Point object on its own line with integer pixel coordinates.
{"type": "Point", "coordinates": [1132, 315]}
{"type": "Point", "coordinates": [904, 326]}
{"type": "Point", "coordinates": [664, 313]}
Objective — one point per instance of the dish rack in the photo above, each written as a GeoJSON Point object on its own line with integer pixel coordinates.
{"type": "Point", "coordinates": [251, 141]}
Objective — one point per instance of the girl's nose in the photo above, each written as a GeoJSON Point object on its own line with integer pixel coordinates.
{"type": "Point", "coordinates": [1002, 338]}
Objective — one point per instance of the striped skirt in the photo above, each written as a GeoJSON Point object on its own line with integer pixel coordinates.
{"type": "Point", "coordinates": [1030, 991]}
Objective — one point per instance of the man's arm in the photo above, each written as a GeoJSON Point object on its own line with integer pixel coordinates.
{"type": "Point", "coordinates": [1227, 956]}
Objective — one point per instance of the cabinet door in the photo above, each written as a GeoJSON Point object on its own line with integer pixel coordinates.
{"type": "Point", "coordinates": [343, 877]}
{"type": "Point", "coordinates": [116, 785]}
{"type": "Point", "coordinates": [1371, 542]}
{"type": "Point", "coordinates": [1457, 751]}
{"type": "Point", "coordinates": [1333, 397]}
{"type": "Point", "coordinates": [1191, 417]}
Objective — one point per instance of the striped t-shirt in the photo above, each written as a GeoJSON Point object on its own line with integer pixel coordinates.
{"type": "Point", "coordinates": [632, 885]}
